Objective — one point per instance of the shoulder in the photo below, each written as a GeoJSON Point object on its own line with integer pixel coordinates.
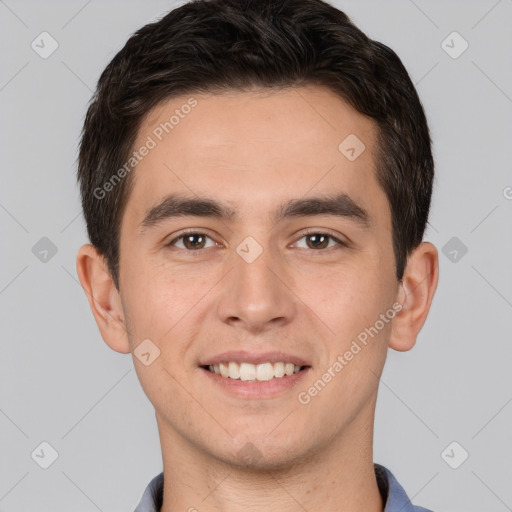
{"type": "Point", "coordinates": [394, 496]}
{"type": "Point", "coordinates": [152, 498]}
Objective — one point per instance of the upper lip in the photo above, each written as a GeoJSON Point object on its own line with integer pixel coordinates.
{"type": "Point", "coordinates": [242, 356]}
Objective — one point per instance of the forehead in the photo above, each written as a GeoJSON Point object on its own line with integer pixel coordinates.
{"type": "Point", "coordinates": [251, 148]}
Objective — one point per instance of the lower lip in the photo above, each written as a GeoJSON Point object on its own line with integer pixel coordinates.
{"type": "Point", "coordinates": [255, 389]}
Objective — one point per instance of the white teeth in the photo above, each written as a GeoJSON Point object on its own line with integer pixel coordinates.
{"type": "Point", "coordinates": [264, 371]}
{"type": "Point", "coordinates": [234, 371]}
{"type": "Point", "coordinates": [288, 368]}
{"type": "Point", "coordinates": [224, 370]}
{"type": "Point", "coordinates": [279, 370]}
{"type": "Point", "coordinates": [260, 372]}
{"type": "Point", "coordinates": [247, 371]}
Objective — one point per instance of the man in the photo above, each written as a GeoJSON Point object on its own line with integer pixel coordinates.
{"type": "Point", "coordinates": [256, 180]}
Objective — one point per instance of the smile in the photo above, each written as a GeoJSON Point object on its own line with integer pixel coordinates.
{"type": "Point", "coordinates": [254, 372]}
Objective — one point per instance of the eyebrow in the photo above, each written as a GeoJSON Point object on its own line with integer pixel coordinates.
{"type": "Point", "coordinates": [340, 205]}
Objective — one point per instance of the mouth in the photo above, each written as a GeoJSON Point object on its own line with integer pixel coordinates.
{"type": "Point", "coordinates": [249, 372]}
{"type": "Point", "coordinates": [249, 375]}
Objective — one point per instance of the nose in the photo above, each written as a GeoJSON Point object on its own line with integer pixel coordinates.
{"type": "Point", "coordinates": [256, 296]}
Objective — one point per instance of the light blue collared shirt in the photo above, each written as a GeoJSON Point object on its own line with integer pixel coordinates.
{"type": "Point", "coordinates": [393, 494]}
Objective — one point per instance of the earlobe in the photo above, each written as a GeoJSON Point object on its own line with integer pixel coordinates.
{"type": "Point", "coordinates": [103, 297]}
{"type": "Point", "coordinates": [415, 294]}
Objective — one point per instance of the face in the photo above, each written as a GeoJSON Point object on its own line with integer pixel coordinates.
{"type": "Point", "coordinates": [260, 274]}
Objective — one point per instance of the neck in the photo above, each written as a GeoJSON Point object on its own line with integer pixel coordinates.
{"type": "Point", "coordinates": [338, 475]}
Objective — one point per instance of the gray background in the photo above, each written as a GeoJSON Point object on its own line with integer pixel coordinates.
{"type": "Point", "coordinates": [60, 383]}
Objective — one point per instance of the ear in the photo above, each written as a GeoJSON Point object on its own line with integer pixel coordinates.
{"type": "Point", "coordinates": [104, 298]}
{"type": "Point", "coordinates": [415, 294]}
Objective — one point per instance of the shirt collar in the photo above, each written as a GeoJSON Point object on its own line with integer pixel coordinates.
{"type": "Point", "coordinates": [394, 496]}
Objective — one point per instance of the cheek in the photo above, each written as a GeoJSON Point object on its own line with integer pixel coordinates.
{"type": "Point", "coordinates": [147, 300]}
{"type": "Point", "coordinates": [352, 306]}
{"type": "Point", "coordinates": [160, 301]}
{"type": "Point", "coordinates": [348, 298]}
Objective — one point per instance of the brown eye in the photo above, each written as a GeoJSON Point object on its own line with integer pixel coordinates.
{"type": "Point", "coordinates": [319, 241]}
{"type": "Point", "coordinates": [191, 241]}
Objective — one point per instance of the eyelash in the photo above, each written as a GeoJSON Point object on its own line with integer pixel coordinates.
{"type": "Point", "coordinates": [311, 232]}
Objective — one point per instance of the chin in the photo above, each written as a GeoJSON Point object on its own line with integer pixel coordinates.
{"type": "Point", "coordinates": [262, 454]}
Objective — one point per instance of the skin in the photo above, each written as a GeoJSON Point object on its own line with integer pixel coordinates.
{"type": "Point", "coordinates": [254, 150]}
